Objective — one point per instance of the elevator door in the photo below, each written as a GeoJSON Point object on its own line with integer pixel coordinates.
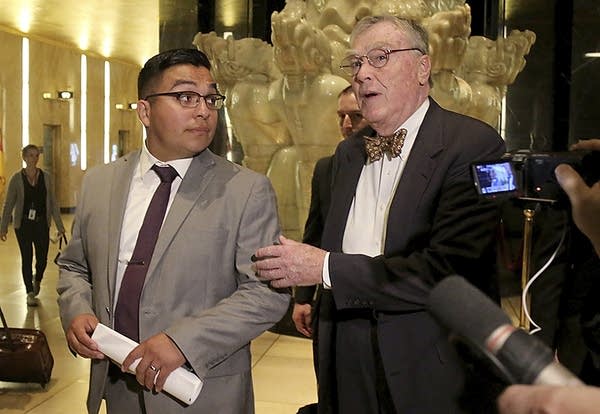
{"type": "Point", "coordinates": [127, 143]}
{"type": "Point", "coordinates": [53, 162]}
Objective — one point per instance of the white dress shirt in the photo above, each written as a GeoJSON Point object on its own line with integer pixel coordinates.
{"type": "Point", "coordinates": [143, 185]}
{"type": "Point", "coordinates": [366, 225]}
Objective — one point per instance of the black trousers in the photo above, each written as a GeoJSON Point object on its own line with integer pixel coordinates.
{"type": "Point", "coordinates": [361, 383]}
{"type": "Point", "coordinates": [33, 234]}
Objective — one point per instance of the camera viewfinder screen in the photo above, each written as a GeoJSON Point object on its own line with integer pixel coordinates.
{"type": "Point", "coordinates": [496, 177]}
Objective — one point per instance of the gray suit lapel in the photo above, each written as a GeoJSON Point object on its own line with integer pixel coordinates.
{"type": "Point", "coordinates": [122, 175]}
{"type": "Point", "coordinates": [197, 178]}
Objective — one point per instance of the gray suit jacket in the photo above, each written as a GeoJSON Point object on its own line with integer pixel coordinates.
{"type": "Point", "coordinates": [199, 290]}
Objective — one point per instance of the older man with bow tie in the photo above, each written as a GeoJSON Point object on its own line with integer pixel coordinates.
{"type": "Point", "coordinates": [404, 214]}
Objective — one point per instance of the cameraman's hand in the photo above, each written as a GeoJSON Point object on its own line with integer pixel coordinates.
{"type": "Point", "coordinates": [585, 201]}
{"type": "Point", "coordinates": [549, 399]}
{"type": "Point", "coordinates": [587, 144]}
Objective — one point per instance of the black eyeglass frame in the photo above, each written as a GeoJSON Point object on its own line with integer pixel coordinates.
{"type": "Point", "coordinates": [178, 95]}
{"type": "Point", "coordinates": [354, 66]}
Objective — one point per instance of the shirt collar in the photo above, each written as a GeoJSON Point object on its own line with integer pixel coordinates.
{"type": "Point", "coordinates": [147, 160]}
{"type": "Point", "coordinates": [413, 123]}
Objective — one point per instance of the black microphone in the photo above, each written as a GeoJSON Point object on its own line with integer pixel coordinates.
{"type": "Point", "coordinates": [524, 359]}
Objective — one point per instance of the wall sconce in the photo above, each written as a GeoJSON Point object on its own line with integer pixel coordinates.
{"type": "Point", "coordinates": [65, 94]}
{"type": "Point", "coordinates": [129, 107]}
{"type": "Point", "coordinates": [60, 95]}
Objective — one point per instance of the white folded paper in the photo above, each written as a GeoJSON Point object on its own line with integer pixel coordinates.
{"type": "Point", "coordinates": [181, 384]}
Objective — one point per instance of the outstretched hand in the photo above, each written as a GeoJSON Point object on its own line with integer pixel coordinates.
{"type": "Point", "coordinates": [290, 264]}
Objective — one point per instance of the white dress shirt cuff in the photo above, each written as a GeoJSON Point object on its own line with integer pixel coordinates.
{"type": "Point", "coordinates": [326, 278]}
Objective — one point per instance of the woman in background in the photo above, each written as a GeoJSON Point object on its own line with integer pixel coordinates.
{"type": "Point", "coordinates": [30, 195]}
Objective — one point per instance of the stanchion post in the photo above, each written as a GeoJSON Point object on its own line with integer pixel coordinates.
{"type": "Point", "coordinates": [528, 215]}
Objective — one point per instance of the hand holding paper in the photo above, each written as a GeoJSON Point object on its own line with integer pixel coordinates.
{"type": "Point", "coordinates": [181, 384]}
{"type": "Point", "coordinates": [157, 354]}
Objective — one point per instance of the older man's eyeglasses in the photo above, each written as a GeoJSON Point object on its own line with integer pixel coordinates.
{"type": "Point", "coordinates": [377, 58]}
{"type": "Point", "coordinates": [190, 99]}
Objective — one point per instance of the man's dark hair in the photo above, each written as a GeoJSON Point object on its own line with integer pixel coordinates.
{"type": "Point", "coordinates": [347, 91]}
{"type": "Point", "coordinates": [157, 64]}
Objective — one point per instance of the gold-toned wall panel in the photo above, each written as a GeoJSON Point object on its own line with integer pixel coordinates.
{"type": "Point", "coordinates": [95, 111]}
{"type": "Point", "coordinates": [10, 103]}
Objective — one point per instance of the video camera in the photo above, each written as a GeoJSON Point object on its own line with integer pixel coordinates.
{"type": "Point", "coordinates": [529, 176]}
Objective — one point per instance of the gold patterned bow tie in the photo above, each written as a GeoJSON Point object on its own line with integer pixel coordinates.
{"type": "Point", "coordinates": [392, 144]}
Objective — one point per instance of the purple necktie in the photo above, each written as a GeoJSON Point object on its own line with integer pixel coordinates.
{"type": "Point", "coordinates": [128, 303]}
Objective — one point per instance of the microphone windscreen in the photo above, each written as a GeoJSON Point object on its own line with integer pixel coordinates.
{"type": "Point", "coordinates": [464, 309]}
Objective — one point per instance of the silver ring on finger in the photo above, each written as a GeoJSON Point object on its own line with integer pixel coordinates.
{"type": "Point", "coordinates": [153, 368]}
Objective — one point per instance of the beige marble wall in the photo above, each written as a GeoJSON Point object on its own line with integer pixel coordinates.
{"type": "Point", "coordinates": [52, 68]}
{"type": "Point", "coordinates": [10, 103]}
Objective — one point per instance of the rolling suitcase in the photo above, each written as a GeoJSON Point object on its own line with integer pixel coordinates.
{"type": "Point", "coordinates": [24, 355]}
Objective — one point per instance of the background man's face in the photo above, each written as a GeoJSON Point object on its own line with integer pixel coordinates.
{"type": "Point", "coordinates": [349, 115]}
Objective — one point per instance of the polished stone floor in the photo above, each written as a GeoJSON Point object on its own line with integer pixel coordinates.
{"type": "Point", "coordinates": [281, 365]}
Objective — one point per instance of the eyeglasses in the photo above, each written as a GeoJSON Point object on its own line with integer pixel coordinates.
{"type": "Point", "coordinates": [377, 58]}
{"type": "Point", "coordinates": [190, 99]}
{"type": "Point", "coordinates": [355, 117]}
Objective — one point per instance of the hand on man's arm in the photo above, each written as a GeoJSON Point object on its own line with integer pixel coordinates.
{"type": "Point", "coordinates": [290, 264]}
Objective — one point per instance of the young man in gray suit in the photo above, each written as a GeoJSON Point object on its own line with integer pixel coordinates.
{"type": "Point", "coordinates": [403, 215]}
{"type": "Point", "coordinates": [200, 303]}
